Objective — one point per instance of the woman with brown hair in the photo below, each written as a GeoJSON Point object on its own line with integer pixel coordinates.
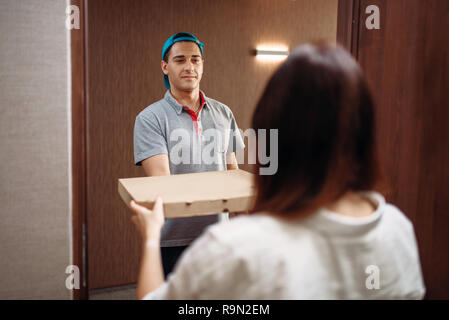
{"type": "Point", "coordinates": [317, 230]}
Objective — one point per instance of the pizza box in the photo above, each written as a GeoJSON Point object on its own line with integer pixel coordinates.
{"type": "Point", "coordinates": [193, 194]}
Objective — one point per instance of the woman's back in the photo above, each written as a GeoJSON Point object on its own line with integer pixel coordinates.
{"type": "Point", "coordinates": [324, 256]}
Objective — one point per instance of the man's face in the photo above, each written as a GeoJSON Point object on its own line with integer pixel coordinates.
{"type": "Point", "coordinates": [184, 67]}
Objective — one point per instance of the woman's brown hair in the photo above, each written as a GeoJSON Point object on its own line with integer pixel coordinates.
{"type": "Point", "coordinates": [322, 108]}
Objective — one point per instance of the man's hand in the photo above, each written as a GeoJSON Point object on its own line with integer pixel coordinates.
{"type": "Point", "coordinates": [148, 222]}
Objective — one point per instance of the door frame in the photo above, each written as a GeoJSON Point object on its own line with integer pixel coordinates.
{"type": "Point", "coordinates": [79, 150]}
{"type": "Point", "coordinates": [348, 25]}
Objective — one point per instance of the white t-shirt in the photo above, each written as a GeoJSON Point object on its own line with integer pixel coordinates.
{"type": "Point", "coordinates": [323, 256]}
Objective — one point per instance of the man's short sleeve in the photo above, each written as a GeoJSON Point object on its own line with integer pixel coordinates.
{"type": "Point", "coordinates": [149, 138]}
{"type": "Point", "coordinates": [235, 138]}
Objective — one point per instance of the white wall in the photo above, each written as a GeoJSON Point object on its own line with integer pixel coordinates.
{"type": "Point", "coordinates": [35, 227]}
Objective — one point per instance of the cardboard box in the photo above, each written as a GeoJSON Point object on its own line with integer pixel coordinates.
{"type": "Point", "coordinates": [193, 194]}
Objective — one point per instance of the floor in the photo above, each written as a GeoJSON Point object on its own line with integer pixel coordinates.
{"type": "Point", "coordinates": [115, 293]}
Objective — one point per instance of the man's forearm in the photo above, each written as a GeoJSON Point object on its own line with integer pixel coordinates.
{"type": "Point", "coordinates": [157, 165]}
{"type": "Point", "coordinates": [231, 162]}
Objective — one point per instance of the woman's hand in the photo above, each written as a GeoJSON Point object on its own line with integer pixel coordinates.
{"type": "Point", "coordinates": [148, 222]}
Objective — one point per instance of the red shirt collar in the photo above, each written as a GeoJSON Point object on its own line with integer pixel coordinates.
{"type": "Point", "coordinates": [202, 102]}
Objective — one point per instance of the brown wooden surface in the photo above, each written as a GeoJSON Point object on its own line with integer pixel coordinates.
{"type": "Point", "coordinates": [124, 42]}
{"type": "Point", "coordinates": [78, 150]}
{"type": "Point", "coordinates": [345, 23]}
{"type": "Point", "coordinates": [407, 65]}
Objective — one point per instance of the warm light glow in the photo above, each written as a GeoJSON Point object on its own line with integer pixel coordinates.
{"type": "Point", "coordinates": [271, 53]}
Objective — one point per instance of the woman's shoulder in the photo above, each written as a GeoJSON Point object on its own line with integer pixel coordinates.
{"type": "Point", "coordinates": [394, 216]}
{"type": "Point", "coordinates": [394, 223]}
{"type": "Point", "coordinates": [390, 214]}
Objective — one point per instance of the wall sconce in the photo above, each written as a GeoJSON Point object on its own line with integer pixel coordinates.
{"type": "Point", "coordinates": [271, 53]}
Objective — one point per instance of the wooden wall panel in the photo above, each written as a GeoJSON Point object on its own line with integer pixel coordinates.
{"type": "Point", "coordinates": [124, 42]}
{"type": "Point", "coordinates": [407, 65]}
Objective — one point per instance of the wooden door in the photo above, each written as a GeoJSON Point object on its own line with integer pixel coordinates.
{"type": "Point", "coordinates": [406, 63]}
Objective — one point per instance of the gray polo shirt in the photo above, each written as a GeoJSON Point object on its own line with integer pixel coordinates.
{"type": "Point", "coordinates": [193, 142]}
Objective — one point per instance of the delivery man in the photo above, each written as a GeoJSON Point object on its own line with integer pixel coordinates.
{"type": "Point", "coordinates": [171, 135]}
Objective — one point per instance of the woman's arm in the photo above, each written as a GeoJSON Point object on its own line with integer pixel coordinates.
{"type": "Point", "coordinates": [208, 269]}
{"type": "Point", "coordinates": [149, 223]}
{"type": "Point", "coordinates": [151, 275]}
